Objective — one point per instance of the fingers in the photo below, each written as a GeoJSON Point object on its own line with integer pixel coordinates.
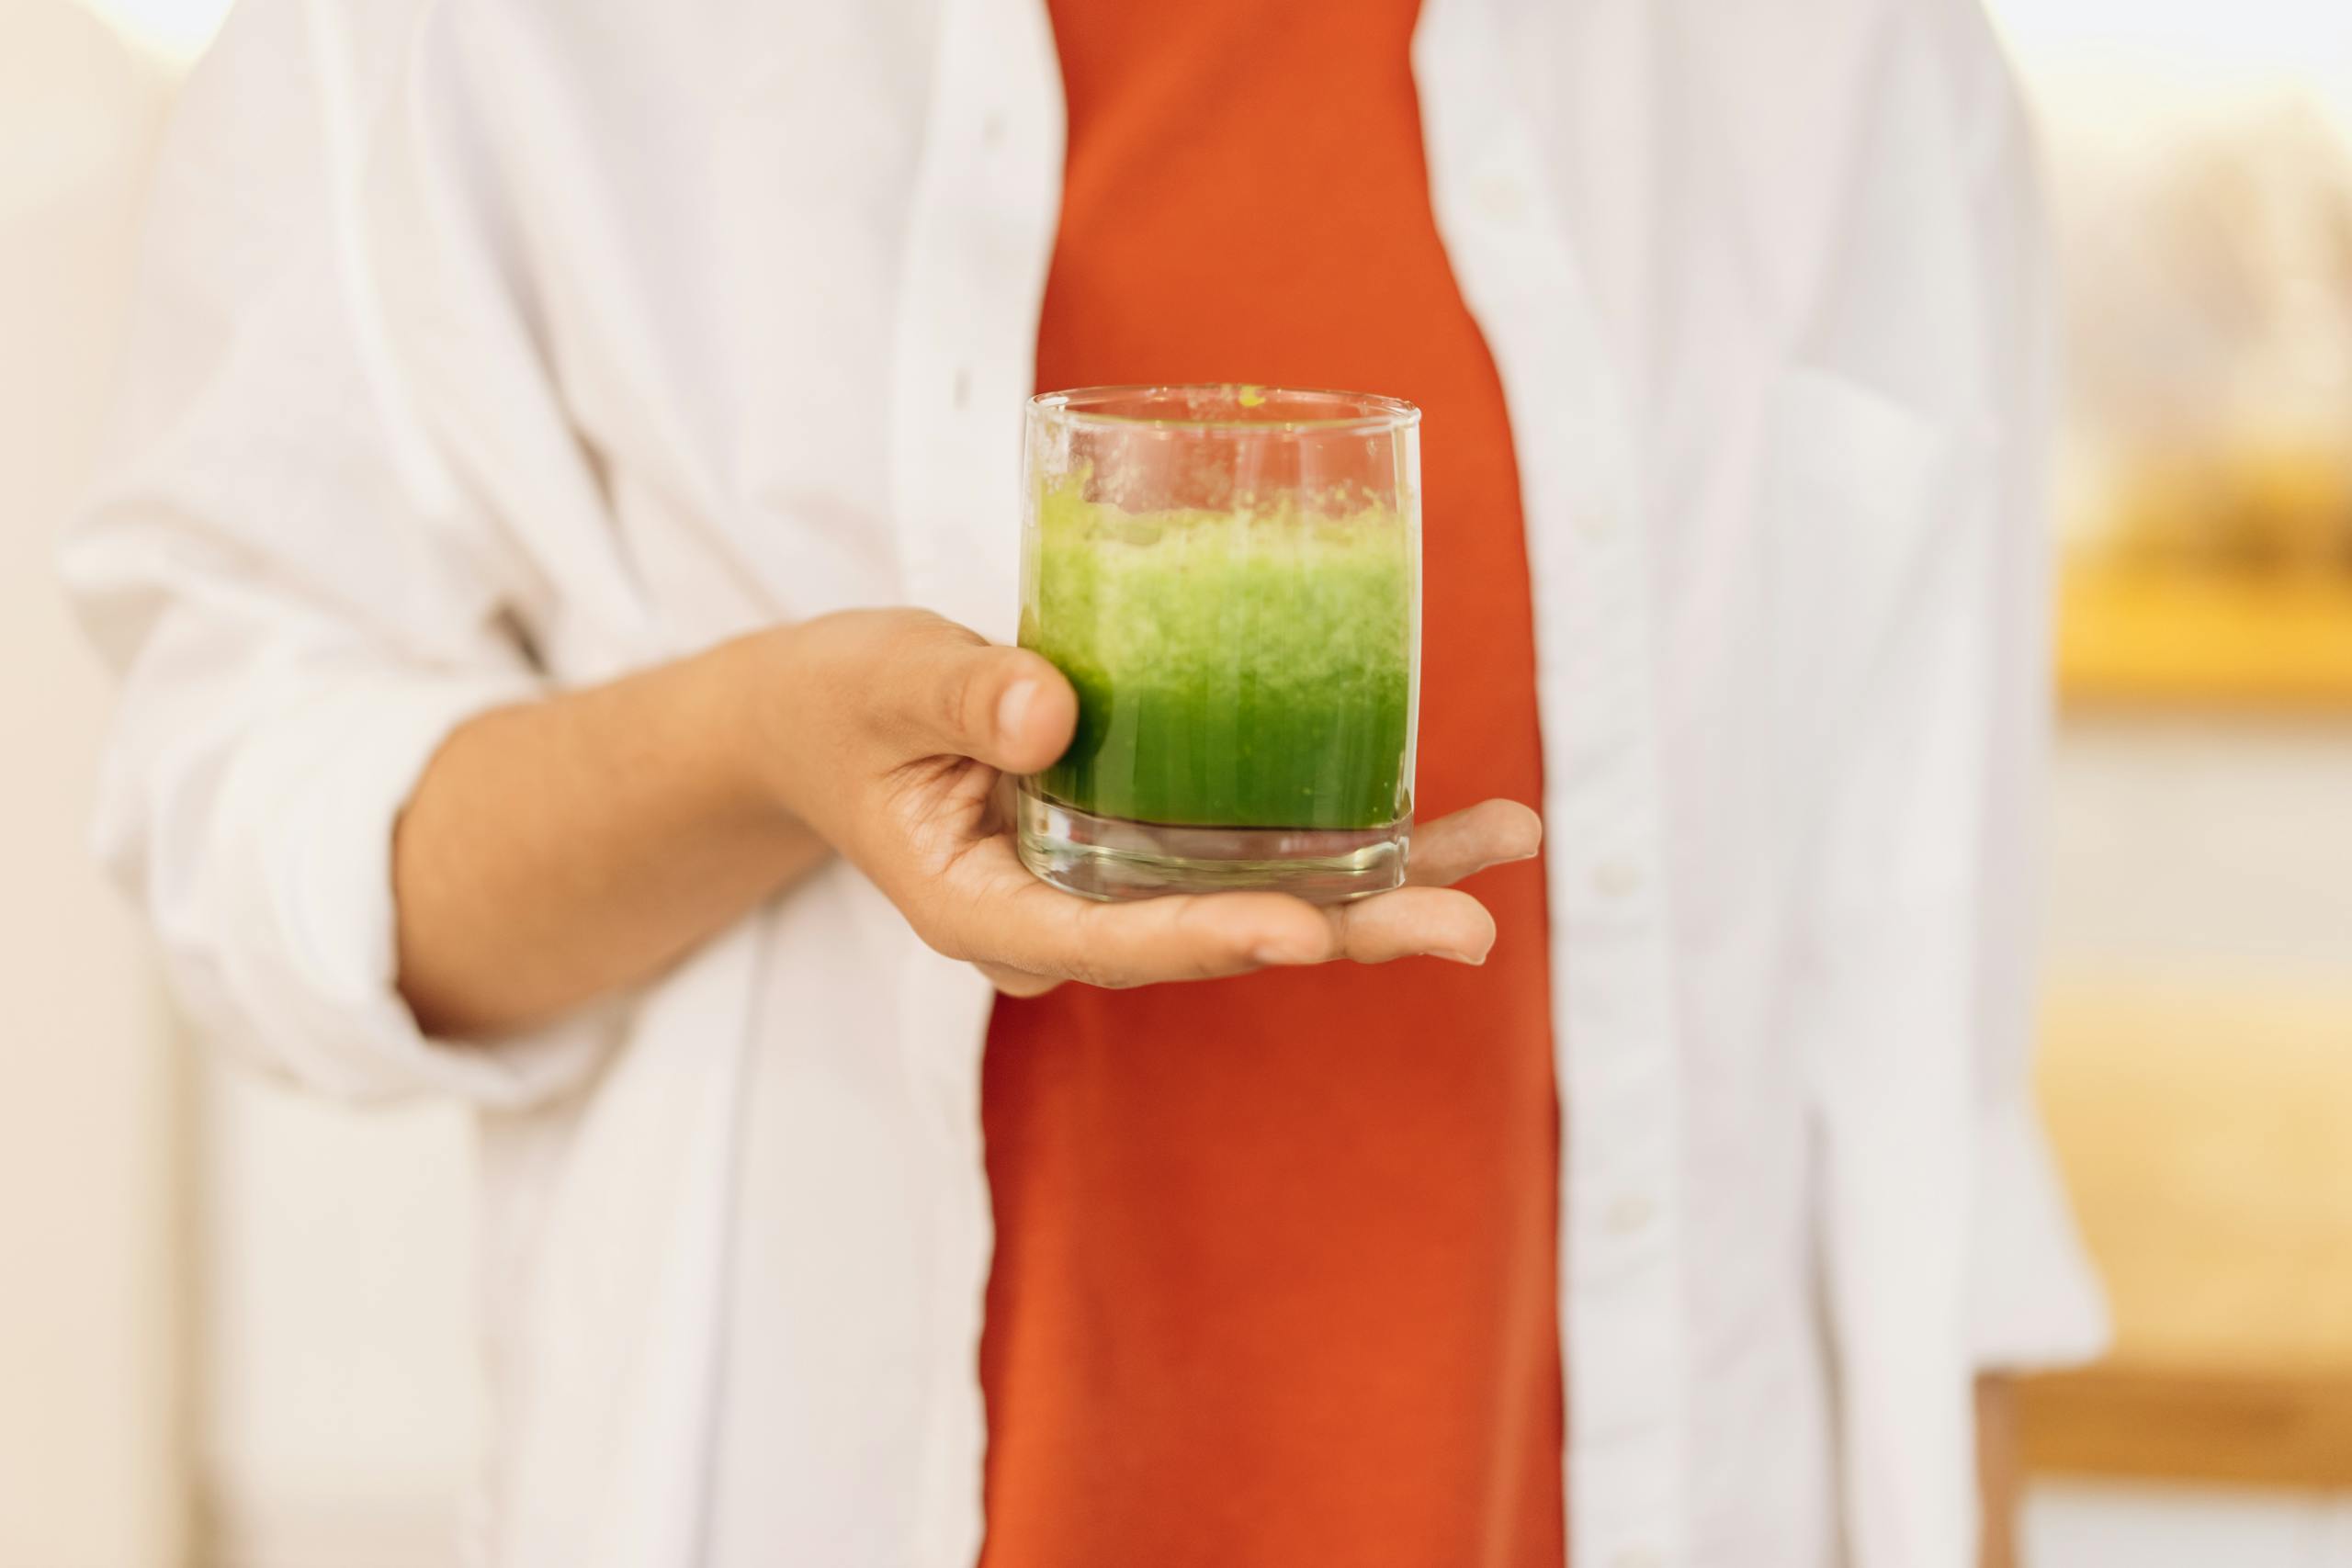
{"type": "Point", "coordinates": [948, 691]}
{"type": "Point", "coordinates": [1412, 922]}
{"type": "Point", "coordinates": [1470, 841]}
{"type": "Point", "coordinates": [1001, 917]}
{"type": "Point", "coordinates": [1205, 936]}
{"type": "Point", "coordinates": [1012, 982]}
{"type": "Point", "coordinates": [1026, 936]}
{"type": "Point", "coordinates": [1184, 937]}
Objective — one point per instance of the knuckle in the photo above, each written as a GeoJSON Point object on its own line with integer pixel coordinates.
{"type": "Point", "coordinates": [900, 653]}
{"type": "Point", "coordinates": [944, 944]}
{"type": "Point", "coordinates": [956, 697]}
{"type": "Point", "coordinates": [941, 936]}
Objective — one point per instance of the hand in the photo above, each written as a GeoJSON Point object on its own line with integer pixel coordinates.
{"type": "Point", "coordinates": [891, 741]}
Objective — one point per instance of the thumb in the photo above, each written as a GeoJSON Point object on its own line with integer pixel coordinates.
{"type": "Point", "coordinates": [1005, 706]}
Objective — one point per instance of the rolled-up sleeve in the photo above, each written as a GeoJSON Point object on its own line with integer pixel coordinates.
{"type": "Point", "coordinates": [2033, 1300]}
{"type": "Point", "coordinates": [302, 604]}
{"type": "Point", "coordinates": [1948, 1246]}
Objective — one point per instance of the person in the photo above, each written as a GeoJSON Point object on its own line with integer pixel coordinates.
{"type": "Point", "coordinates": [562, 557]}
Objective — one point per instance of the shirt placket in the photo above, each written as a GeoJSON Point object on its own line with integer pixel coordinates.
{"type": "Point", "coordinates": [1622, 1297]}
{"type": "Point", "coordinates": [979, 238]}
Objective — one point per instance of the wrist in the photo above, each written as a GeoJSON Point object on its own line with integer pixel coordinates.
{"type": "Point", "coordinates": [737, 714]}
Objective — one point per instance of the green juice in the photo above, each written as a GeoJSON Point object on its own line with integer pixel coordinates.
{"type": "Point", "coordinates": [1237, 669]}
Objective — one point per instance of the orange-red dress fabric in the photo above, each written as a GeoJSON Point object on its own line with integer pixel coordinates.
{"type": "Point", "coordinates": [1276, 1268]}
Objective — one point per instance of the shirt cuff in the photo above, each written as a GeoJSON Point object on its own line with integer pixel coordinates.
{"type": "Point", "coordinates": [312, 987]}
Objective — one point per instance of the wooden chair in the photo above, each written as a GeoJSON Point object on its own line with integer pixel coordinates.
{"type": "Point", "coordinates": [2207, 1139]}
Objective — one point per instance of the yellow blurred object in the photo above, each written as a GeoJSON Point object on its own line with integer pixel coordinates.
{"type": "Point", "coordinates": [2203, 1135]}
{"type": "Point", "coordinates": [2209, 323]}
{"type": "Point", "coordinates": [2221, 576]}
{"type": "Point", "coordinates": [2271, 508]}
{"type": "Point", "coordinates": [2149, 636]}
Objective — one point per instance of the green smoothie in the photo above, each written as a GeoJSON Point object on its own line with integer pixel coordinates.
{"type": "Point", "coordinates": [1238, 669]}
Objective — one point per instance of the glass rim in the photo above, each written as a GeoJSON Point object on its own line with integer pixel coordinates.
{"type": "Point", "coordinates": [1377, 413]}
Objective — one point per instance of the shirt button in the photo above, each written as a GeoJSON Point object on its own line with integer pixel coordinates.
{"type": "Point", "coordinates": [1629, 1214]}
{"type": "Point", "coordinates": [1616, 878]}
{"type": "Point", "coordinates": [993, 128]}
{"type": "Point", "coordinates": [1596, 526]}
{"type": "Point", "coordinates": [1637, 1557]}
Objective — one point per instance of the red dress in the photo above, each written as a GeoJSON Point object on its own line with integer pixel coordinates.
{"type": "Point", "coordinates": [1277, 1257]}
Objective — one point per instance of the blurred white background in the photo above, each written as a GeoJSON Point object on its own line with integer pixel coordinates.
{"type": "Point", "coordinates": [236, 1328]}
{"type": "Point", "coordinates": [92, 1305]}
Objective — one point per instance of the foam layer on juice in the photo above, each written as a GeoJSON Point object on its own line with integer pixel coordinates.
{"type": "Point", "coordinates": [1244, 668]}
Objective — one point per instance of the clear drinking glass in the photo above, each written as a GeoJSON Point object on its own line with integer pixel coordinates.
{"type": "Point", "coordinates": [1230, 576]}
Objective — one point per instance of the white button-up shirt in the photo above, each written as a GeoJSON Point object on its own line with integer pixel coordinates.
{"type": "Point", "coordinates": [493, 347]}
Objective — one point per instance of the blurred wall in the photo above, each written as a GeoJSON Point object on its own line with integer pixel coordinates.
{"type": "Point", "coordinates": [90, 1429]}
{"type": "Point", "coordinates": [236, 1326]}
{"type": "Point", "coordinates": [2202, 852]}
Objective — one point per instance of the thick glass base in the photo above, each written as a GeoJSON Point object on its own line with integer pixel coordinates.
{"type": "Point", "coordinates": [1111, 858]}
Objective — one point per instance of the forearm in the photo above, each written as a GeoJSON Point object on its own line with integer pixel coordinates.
{"type": "Point", "coordinates": [556, 851]}
{"type": "Point", "coordinates": [563, 850]}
